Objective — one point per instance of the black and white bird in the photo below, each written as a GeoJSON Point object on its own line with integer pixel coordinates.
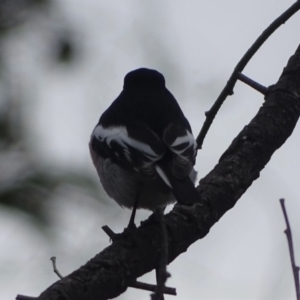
{"type": "Point", "coordinates": [143, 147]}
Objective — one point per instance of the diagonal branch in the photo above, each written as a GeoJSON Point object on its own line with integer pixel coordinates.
{"type": "Point", "coordinates": [110, 272]}
{"type": "Point", "coordinates": [228, 89]}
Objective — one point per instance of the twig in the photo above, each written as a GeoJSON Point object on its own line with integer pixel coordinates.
{"type": "Point", "coordinates": [228, 89]}
{"type": "Point", "coordinates": [23, 297]}
{"type": "Point", "coordinates": [288, 233]}
{"type": "Point", "coordinates": [255, 85]}
{"type": "Point", "coordinates": [161, 272]}
{"type": "Point", "coordinates": [138, 284]}
{"type": "Point", "coordinates": [152, 287]}
{"type": "Point", "coordinates": [109, 232]}
{"type": "Point", "coordinates": [53, 259]}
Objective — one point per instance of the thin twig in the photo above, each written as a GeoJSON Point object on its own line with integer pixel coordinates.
{"type": "Point", "coordinates": [138, 284]}
{"type": "Point", "coordinates": [161, 272]}
{"type": "Point", "coordinates": [288, 233]}
{"type": "Point", "coordinates": [255, 85]}
{"type": "Point", "coordinates": [152, 287]}
{"type": "Point", "coordinates": [23, 297]}
{"type": "Point", "coordinates": [109, 232]}
{"type": "Point", "coordinates": [53, 259]}
{"type": "Point", "coordinates": [228, 89]}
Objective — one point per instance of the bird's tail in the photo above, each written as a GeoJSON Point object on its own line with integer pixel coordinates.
{"type": "Point", "coordinates": [183, 190]}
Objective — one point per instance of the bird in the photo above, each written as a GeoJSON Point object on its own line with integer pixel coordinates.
{"type": "Point", "coordinates": [143, 148]}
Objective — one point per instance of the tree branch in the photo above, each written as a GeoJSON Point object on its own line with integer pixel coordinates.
{"type": "Point", "coordinates": [55, 270]}
{"type": "Point", "coordinates": [228, 89]}
{"type": "Point", "coordinates": [289, 237]}
{"type": "Point", "coordinates": [110, 272]}
{"type": "Point", "coordinates": [255, 85]}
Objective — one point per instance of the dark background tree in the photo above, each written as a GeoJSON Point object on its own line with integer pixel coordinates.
{"type": "Point", "coordinates": [61, 64]}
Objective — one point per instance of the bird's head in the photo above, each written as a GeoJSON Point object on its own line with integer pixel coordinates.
{"type": "Point", "coordinates": [143, 78]}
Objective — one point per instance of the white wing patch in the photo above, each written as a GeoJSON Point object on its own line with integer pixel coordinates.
{"type": "Point", "coordinates": [140, 148]}
{"type": "Point", "coordinates": [120, 135]}
{"type": "Point", "coordinates": [182, 143]}
{"type": "Point", "coordinates": [163, 176]}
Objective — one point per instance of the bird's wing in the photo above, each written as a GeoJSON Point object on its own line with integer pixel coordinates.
{"type": "Point", "coordinates": [182, 144]}
{"type": "Point", "coordinates": [132, 147]}
{"type": "Point", "coordinates": [139, 149]}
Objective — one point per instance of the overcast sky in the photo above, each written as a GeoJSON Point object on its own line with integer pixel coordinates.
{"type": "Point", "coordinates": [196, 45]}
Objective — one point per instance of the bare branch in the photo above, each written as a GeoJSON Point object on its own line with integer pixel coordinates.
{"type": "Point", "coordinates": [55, 270]}
{"type": "Point", "coordinates": [23, 297]}
{"type": "Point", "coordinates": [141, 285]}
{"type": "Point", "coordinates": [109, 232]}
{"type": "Point", "coordinates": [161, 272]}
{"type": "Point", "coordinates": [228, 89]}
{"type": "Point", "coordinates": [152, 287]}
{"type": "Point", "coordinates": [255, 85]}
{"type": "Point", "coordinates": [289, 237]}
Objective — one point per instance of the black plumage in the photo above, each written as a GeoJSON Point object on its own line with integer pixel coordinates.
{"type": "Point", "coordinates": [143, 147]}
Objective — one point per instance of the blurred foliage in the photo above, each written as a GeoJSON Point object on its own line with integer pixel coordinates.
{"type": "Point", "coordinates": [24, 184]}
{"type": "Point", "coordinates": [15, 12]}
{"type": "Point", "coordinates": [65, 50]}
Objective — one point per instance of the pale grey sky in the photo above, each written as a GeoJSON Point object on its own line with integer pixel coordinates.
{"type": "Point", "coordinates": [196, 45]}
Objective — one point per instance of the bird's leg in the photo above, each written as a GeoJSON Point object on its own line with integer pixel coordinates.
{"type": "Point", "coordinates": [129, 231]}
{"type": "Point", "coordinates": [131, 223]}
